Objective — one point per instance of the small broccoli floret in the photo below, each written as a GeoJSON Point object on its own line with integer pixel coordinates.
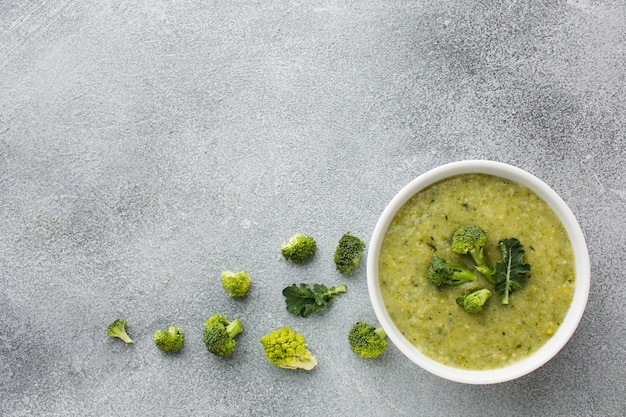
{"type": "Point", "coordinates": [474, 301]}
{"type": "Point", "coordinates": [367, 340]}
{"type": "Point", "coordinates": [348, 253]}
{"type": "Point", "coordinates": [471, 239]}
{"type": "Point", "coordinates": [169, 340]}
{"type": "Point", "coordinates": [237, 284]}
{"type": "Point", "coordinates": [441, 272]}
{"type": "Point", "coordinates": [287, 349]}
{"type": "Point", "coordinates": [118, 329]}
{"type": "Point", "coordinates": [299, 248]}
{"type": "Point", "coordinates": [219, 334]}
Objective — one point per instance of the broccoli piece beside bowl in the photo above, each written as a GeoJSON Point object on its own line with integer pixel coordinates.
{"type": "Point", "coordinates": [299, 248]}
{"type": "Point", "coordinates": [170, 339]}
{"type": "Point", "coordinates": [118, 329]}
{"type": "Point", "coordinates": [348, 253]}
{"type": "Point", "coordinates": [219, 334]}
{"type": "Point", "coordinates": [367, 340]}
{"type": "Point", "coordinates": [237, 284]}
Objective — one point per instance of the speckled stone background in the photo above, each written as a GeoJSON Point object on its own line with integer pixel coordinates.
{"type": "Point", "coordinates": [145, 146]}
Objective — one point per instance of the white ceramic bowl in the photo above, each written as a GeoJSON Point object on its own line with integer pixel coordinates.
{"type": "Point", "coordinates": [582, 270]}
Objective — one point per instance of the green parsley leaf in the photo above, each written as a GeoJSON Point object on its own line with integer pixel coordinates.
{"type": "Point", "coordinates": [510, 272]}
{"type": "Point", "coordinates": [304, 299]}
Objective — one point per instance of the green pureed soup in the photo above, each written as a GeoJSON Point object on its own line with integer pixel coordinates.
{"type": "Point", "coordinates": [429, 316]}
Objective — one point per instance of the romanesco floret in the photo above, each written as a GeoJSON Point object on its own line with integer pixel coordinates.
{"type": "Point", "coordinates": [287, 349]}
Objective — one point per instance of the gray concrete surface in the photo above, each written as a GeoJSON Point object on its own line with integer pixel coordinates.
{"type": "Point", "coordinates": [147, 145]}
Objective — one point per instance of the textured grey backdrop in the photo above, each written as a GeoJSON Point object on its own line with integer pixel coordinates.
{"type": "Point", "coordinates": [147, 145]}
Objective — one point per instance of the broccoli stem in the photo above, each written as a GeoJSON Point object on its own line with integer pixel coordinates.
{"type": "Point", "coordinates": [234, 328]}
{"type": "Point", "coordinates": [338, 289]}
{"type": "Point", "coordinates": [124, 337]}
{"type": "Point", "coordinates": [381, 332]}
{"type": "Point", "coordinates": [482, 265]}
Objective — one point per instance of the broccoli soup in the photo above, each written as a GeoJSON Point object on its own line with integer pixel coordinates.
{"type": "Point", "coordinates": [429, 317]}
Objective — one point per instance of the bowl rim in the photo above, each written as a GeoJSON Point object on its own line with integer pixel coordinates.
{"type": "Point", "coordinates": [582, 272]}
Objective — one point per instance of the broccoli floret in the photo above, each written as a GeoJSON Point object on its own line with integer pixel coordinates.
{"type": "Point", "coordinates": [237, 284]}
{"type": "Point", "coordinates": [474, 301]}
{"type": "Point", "coordinates": [348, 253]}
{"type": "Point", "coordinates": [442, 272]}
{"type": "Point", "coordinates": [118, 329]}
{"type": "Point", "coordinates": [367, 340]}
{"type": "Point", "coordinates": [471, 239]}
{"type": "Point", "coordinates": [169, 340]}
{"type": "Point", "coordinates": [299, 248]}
{"type": "Point", "coordinates": [219, 334]}
{"type": "Point", "coordinates": [287, 349]}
